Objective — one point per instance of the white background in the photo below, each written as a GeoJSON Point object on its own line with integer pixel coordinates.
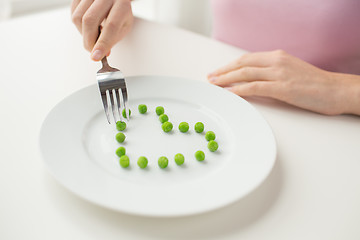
{"type": "Point", "coordinates": [188, 14]}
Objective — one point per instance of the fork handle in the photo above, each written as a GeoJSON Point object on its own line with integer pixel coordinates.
{"type": "Point", "coordinates": [105, 62]}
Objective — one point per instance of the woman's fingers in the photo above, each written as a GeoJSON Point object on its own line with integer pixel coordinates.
{"type": "Point", "coordinates": [74, 4]}
{"type": "Point", "coordinates": [91, 21]}
{"type": "Point", "coordinates": [256, 59]}
{"type": "Point", "coordinates": [260, 89]}
{"type": "Point", "coordinates": [79, 11]}
{"type": "Point", "coordinates": [117, 24]}
{"type": "Point", "coordinates": [115, 17]}
{"type": "Point", "coordinates": [245, 74]}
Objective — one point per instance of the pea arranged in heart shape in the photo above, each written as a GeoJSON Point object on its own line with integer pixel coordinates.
{"type": "Point", "coordinates": [166, 126]}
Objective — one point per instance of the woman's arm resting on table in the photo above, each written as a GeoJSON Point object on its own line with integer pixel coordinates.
{"type": "Point", "coordinates": [115, 17]}
{"type": "Point", "coordinates": [279, 75]}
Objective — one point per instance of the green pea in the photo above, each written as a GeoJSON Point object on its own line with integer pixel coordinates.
{"type": "Point", "coordinates": [120, 137]}
{"type": "Point", "coordinates": [159, 110]}
{"type": "Point", "coordinates": [124, 113]}
{"type": "Point", "coordinates": [120, 126]}
{"type": "Point", "coordinates": [163, 162]}
{"type": "Point", "coordinates": [183, 127]}
{"type": "Point", "coordinates": [124, 161]}
{"type": "Point", "coordinates": [200, 155]}
{"type": "Point", "coordinates": [142, 108]}
{"type": "Point", "coordinates": [167, 126]}
{"type": "Point", "coordinates": [179, 159]}
{"type": "Point", "coordinates": [163, 118]}
{"type": "Point", "coordinates": [120, 151]}
{"type": "Point", "coordinates": [199, 127]}
{"type": "Point", "coordinates": [210, 135]}
{"type": "Point", "coordinates": [142, 162]}
{"type": "Point", "coordinates": [213, 146]}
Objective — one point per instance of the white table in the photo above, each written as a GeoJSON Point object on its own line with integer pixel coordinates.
{"type": "Point", "coordinates": [313, 191]}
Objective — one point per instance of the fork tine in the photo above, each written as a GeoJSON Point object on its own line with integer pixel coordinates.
{"type": "Point", "coordinates": [125, 99]}
{"type": "Point", "coordinates": [118, 102]}
{"type": "Point", "coordinates": [104, 100]}
{"type": "Point", "coordinates": [112, 103]}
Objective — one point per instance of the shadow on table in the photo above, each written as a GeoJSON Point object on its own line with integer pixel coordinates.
{"type": "Point", "coordinates": [215, 224]}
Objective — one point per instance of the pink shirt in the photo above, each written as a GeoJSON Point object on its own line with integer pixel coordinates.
{"type": "Point", "coordinates": [325, 33]}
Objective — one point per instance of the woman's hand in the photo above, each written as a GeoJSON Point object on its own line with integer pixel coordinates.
{"type": "Point", "coordinates": [115, 17]}
{"type": "Point", "coordinates": [281, 76]}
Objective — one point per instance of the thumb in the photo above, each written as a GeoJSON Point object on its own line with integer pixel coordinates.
{"type": "Point", "coordinates": [100, 49]}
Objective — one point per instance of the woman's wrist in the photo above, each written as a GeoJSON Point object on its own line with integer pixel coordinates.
{"type": "Point", "coordinates": [349, 92]}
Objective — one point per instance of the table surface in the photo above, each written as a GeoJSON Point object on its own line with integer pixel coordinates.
{"type": "Point", "coordinates": [313, 191]}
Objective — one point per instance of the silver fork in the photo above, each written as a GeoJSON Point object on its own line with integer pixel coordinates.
{"type": "Point", "coordinates": [111, 81]}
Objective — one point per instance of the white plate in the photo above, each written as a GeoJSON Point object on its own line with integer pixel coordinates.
{"type": "Point", "coordinates": [78, 147]}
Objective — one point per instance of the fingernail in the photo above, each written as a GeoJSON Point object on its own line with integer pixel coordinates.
{"type": "Point", "coordinates": [96, 55]}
